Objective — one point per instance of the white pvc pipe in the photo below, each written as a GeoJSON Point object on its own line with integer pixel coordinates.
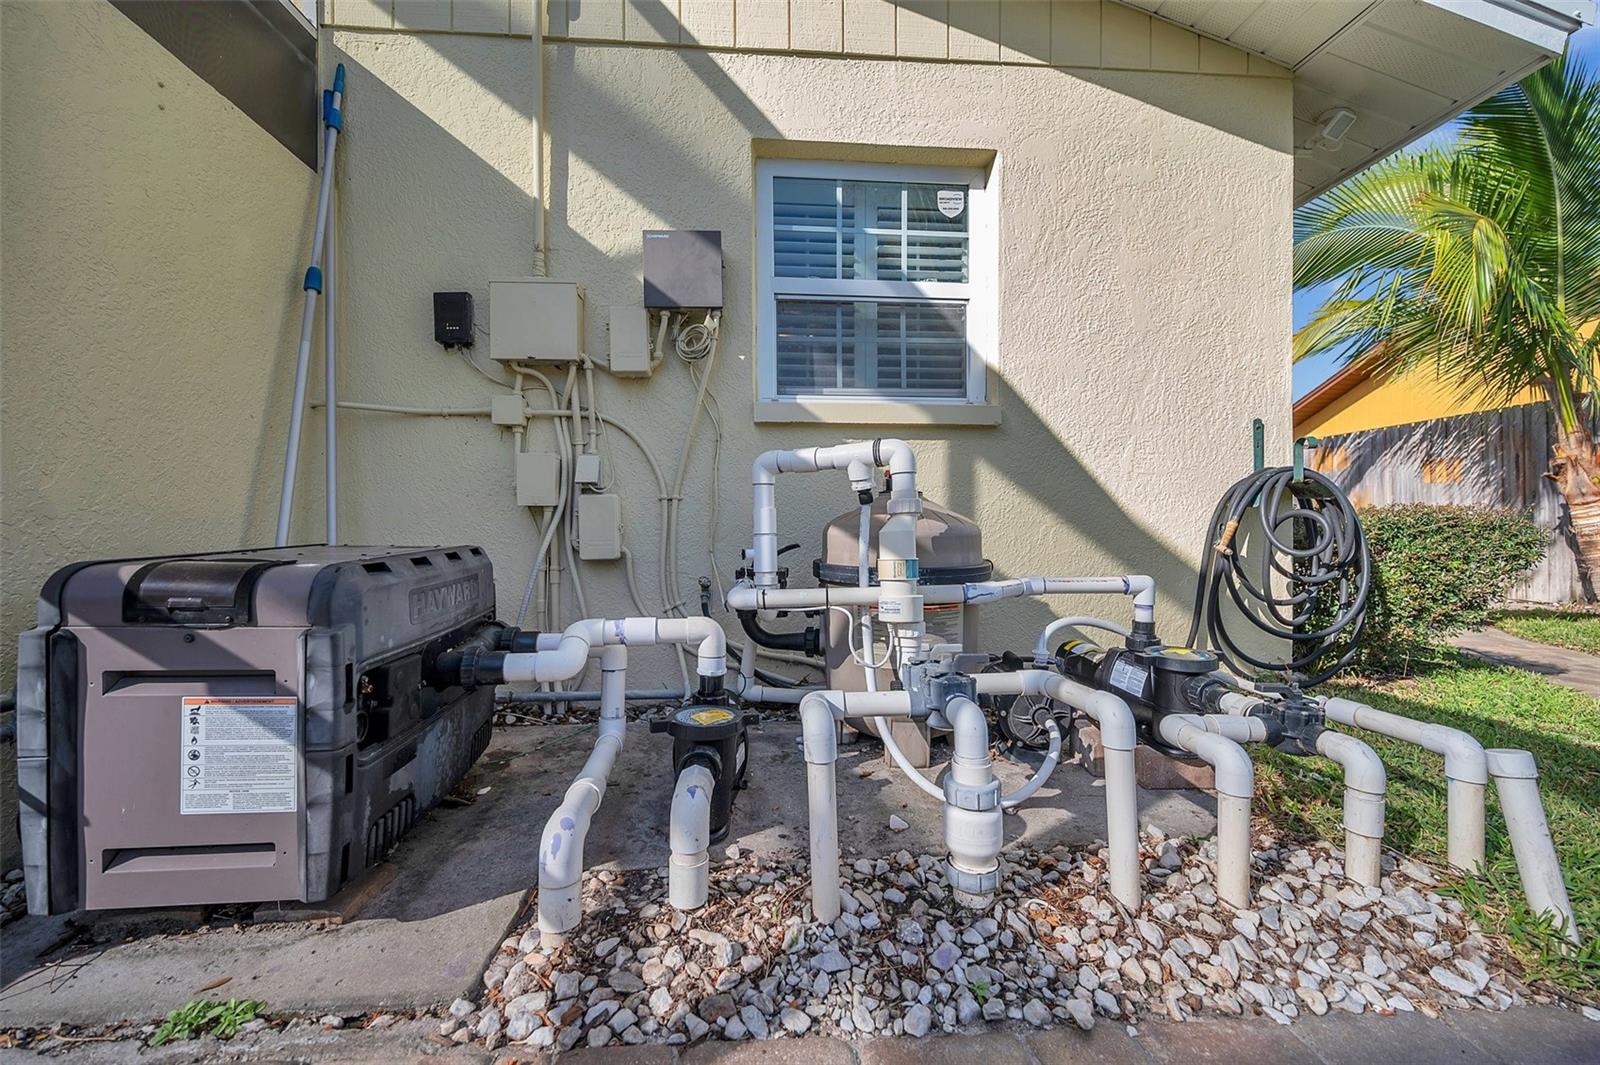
{"type": "Point", "coordinates": [1235, 784]}
{"type": "Point", "coordinates": [1118, 738]}
{"type": "Point", "coordinates": [313, 286]}
{"type": "Point", "coordinates": [973, 836]}
{"type": "Point", "coordinates": [1364, 784]}
{"type": "Point", "coordinates": [1516, 777]}
{"type": "Point", "coordinates": [568, 657]}
{"type": "Point", "coordinates": [687, 876]}
{"type": "Point", "coordinates": [820, 714]}
{"type": "Point", "coordinates": [857, 458]}
{"type": "Point", "coordinates": [1041, 647]}
{"type": "Point", "coordinates": [561, 845]}
{"type": "Point", "coordinates": [750, 597]}
{"type": "Point", "coordinates": [1465, 765]}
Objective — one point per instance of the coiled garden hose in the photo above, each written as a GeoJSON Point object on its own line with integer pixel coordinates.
{"type": "Point", "coordinates": [1313, 574]}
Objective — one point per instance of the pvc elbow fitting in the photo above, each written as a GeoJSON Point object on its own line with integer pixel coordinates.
{"type": "Point", "coordinates": [819, 734]}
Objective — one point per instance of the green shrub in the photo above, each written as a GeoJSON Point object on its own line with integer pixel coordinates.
{"type": "Point", "coordinates": [1438, 570]}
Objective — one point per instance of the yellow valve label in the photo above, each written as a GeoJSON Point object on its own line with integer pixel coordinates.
{"type": "Point", "coordinates": [711, 717]}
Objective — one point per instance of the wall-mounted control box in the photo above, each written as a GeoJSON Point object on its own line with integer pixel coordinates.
{"type": "Point", "coordinates": [538, 478]}
{"type": "Point", "coordinates": [683, 269]}
{"type": "Point", "coordinates": [630, 343]}
{"type": "Point", "coordinates": [599, 526]}
{"type": "Point", "coordinates": [535, 320]}
{"type": "Point", "coordinates": [452, 319]}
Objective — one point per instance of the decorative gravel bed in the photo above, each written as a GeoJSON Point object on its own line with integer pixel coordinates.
{"type": "Point", "coordinates": [1053, 949]}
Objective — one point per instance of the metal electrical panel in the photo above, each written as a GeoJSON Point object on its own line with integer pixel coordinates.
{"type": "Point", "coordinates": [536, 320]}
{"type": "Point", "coordinates": [683, 269]}
{"type": "Point", "coordinates": [599, 526]}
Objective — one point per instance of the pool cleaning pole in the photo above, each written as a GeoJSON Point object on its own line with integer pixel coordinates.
{"type": "Point", "coordinates": [332, 122]}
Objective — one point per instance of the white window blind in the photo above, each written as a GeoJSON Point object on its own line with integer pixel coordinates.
{"type": "Point", "coordinates": [868, 283]}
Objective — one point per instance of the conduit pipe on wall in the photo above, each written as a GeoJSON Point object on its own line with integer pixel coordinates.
{"type": "Point", "coordinates": [541, 264]}
{"type": "Point", "coordinates": [1517, 780]}
{"type": "Point", "coordinates": [561, 846]}
{"type": "Point", "coordinates": [1235, 785]}
{"type": "Point", "coordinates": [332, 121]}
{"type": "Point", "coordinates": [1364, 784]}
{"type": "Point", "coordinates": [820, 714]}
{"type": "Point", "coordinates": [687, 879]}
{"type": "Point", "coordinates": [330, 376]}
{"type": "Point", "coordinates": [1118, 737]}
{"type": "Point", "coordinates": [1466, 769]}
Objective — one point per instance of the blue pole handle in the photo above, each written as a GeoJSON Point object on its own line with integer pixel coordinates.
{"type": "Point", "coordinates": [338, 78]}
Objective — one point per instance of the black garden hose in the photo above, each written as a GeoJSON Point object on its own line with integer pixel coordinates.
{"type": "Point", "coordinates": [1312, 545]}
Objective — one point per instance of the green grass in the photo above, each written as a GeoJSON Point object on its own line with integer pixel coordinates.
{"type": "Point", "coordinates": [1575, 629]}
{"type": "Point", "coordinates": [1502, 708]}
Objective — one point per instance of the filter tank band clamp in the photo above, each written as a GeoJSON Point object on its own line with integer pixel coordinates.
{"type": "Point", "coordinates": [974, 797]}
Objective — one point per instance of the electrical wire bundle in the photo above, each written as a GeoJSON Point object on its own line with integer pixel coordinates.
{"type": "Point", "coordinates": [1305, 577]}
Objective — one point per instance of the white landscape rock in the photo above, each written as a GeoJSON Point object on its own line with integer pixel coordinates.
{"type": "Point", "coordinates": [1051, 949]}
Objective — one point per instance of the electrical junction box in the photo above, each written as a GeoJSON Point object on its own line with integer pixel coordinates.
{"type": "Point", "coordinates": [630, 343]}
{"type": "Point", "coordinates": [538, 478]}
{"type": "Point", "coordinates": [599, 526]}
{"type": "Point", "coordinates": [507, 410]}
{"type": "Point", "coordinates": [452, 319]}
{"type": "Point", "coordinates": [683, 269]}
{"type": "Point", "coordinates": [586, 469]}
{"type": "Point", "coordinates": [534, 319]}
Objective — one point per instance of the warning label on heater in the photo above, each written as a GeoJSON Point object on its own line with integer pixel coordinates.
{"type": "Point", "coordinates": [239, 756]}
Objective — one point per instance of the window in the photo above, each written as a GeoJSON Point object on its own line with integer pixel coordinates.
{"type": "Point", "coordinates": [876, 283]}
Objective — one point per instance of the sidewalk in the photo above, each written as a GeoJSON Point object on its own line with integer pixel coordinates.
{"type": "Point", "coordinates": [1574, 669]}
{"type": "Point", "coordinates": [1535, 1035]}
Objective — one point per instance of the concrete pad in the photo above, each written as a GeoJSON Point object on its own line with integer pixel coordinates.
{"type": "Point", "coordinates": [1539, 1035]}
{"type": "Point", "coordinates": [1226, 1041]}
{"type": "Point", "coordinates": [1108, 1044]}
{"type": "Point", "coordinates": [460, 881]}
{"type": "Point", "coordinates": [991, 1048]}
{"type": "Point", "coordinates": [814, 1050]}
{"type": "Point", "coordinates": [462, 876]}
{"type": "Point", "coordinates": [1346, 1039]}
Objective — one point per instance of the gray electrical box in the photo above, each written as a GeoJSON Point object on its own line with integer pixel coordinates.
{"type": "Point", "coordinates": [683, 269]}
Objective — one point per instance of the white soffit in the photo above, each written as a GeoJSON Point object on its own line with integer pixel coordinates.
{"type": "Point", "coordinates": [1403, 66]}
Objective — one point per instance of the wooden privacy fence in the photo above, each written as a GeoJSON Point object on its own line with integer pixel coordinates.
{"type": "Point", "coordinates": [1494, 459]}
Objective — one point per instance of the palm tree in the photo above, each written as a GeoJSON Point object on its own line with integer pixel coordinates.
{"type": "Point", "coordinates": [1482, 263]}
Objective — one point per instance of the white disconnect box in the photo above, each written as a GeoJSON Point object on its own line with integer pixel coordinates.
{"type": "Point", "coordinates": [507, 410]}
{"type": "Point", "coordinates": [586, 469]}
{"type": "Point", "coordinates": [538, 478]}
{"type": "Point", "coordinates": [533, 319]}
{"type": "Point", "coordinates": [630, 343]}
{"type": "Point", "coordinates": [599, 526]}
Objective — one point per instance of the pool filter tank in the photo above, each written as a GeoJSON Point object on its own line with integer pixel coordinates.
{"type": "Point", "coordinates": [248, 726]}
{"type": "Point", "coordinates": [949, 551]}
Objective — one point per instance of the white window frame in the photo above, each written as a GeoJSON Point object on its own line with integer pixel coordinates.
{"type": "Point", "coordinates": [979, 293]}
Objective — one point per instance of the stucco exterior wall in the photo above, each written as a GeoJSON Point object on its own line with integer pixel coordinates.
{"type": "Point", "coordinates": [1144, 291]}
{"type": "Point", "coordinates": [154, 239]}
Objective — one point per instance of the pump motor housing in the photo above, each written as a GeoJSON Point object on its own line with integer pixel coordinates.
{"type": "Point", "coordinates": [247, 726]}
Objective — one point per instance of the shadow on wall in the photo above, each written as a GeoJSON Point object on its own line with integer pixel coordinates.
{"type": "Point", "coordinates": [471, 230]}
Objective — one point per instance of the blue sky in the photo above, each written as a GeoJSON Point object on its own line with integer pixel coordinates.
{"type": "Point", "coordinates": [1312, 372]}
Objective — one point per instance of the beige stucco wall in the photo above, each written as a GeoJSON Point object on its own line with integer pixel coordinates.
{"type": "Point", "coordinates": [1144, 296]}
{"type": "Point", "coordinates": [151, 249]}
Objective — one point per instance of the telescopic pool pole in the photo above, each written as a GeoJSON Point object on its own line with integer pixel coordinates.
{"type": "Point", "coordinates": [332, 122]}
